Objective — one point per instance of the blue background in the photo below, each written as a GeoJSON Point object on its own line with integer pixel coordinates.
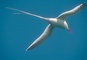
{"type": "Point", "coordinates": [18, 31]}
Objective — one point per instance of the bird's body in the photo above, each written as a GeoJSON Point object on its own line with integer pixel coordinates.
{"type": "Point", "coordinates": [58, 23]}
{"type": "Point", "coordinates": [53, 22]}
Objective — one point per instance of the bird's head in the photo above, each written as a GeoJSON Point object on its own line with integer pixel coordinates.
{"type": "Point", "coordinates": [69, 30]}
{"type": "Point", "coordinates": [66, 26]}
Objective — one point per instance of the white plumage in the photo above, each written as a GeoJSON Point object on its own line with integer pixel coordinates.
{"type": "Point", "coordinates": [53, 22]}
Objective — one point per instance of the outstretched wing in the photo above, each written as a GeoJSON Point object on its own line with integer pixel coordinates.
{"type": "Point", "coordinates": [73, 11]}
{"type": "Point", "coordinates": [40, 39]}
{"type": "Point", "coordinates": [27, 13]}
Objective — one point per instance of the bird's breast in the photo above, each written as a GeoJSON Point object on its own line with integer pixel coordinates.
{"type": "Point", "coordinates": [57, 22]}
{"type": "Point", "coordinates": [53, 21]}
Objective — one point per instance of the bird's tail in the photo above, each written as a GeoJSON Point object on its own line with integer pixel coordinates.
{"type": "Point", "coordinates": [27, 13]}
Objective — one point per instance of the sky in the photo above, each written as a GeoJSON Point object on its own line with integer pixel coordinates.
{"type": "Point", "coordinates": [18, 31]}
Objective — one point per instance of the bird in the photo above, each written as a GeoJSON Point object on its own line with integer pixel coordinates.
{"type": "Point", "coordinates": [59, 21]}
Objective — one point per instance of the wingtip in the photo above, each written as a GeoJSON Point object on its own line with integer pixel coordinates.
{"type": "Point", "coordinates": [29, 48]}
{"type": "Point", "coordinates": [26, 50]}
{"type": "Point", "coordinates": [84, 3]}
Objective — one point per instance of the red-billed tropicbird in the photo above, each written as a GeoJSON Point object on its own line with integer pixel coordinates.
{"type": "Point", "coordinates": [53, 22]}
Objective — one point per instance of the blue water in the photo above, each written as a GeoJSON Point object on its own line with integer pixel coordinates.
{"type": "Point", "coordinates": [18, 31]}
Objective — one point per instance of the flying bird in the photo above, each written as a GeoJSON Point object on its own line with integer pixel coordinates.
{"type": "Point", "coordinates": [59, 21]}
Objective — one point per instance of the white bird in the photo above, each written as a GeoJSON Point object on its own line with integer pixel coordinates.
{"type": "Point", "coordinates": [53, 22]}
